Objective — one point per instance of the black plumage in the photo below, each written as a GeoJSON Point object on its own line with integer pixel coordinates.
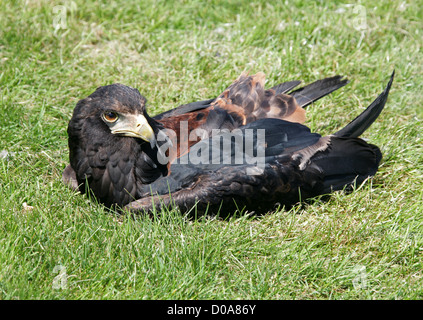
{"type": "Point", "coordinates": [119, 165]}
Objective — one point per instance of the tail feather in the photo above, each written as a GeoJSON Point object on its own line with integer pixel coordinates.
{"type": "Point", "coordinates": [348, 161]}
{"type": "Point", "coordinates": [318, 89]}
{"type": "Point", "coordinates": [360, 124]}
{"type": "Point", "coordinates": [284, 87]}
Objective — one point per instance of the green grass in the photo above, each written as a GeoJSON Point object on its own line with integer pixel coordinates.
{"type": "Point", "coordinates": [177, 53]}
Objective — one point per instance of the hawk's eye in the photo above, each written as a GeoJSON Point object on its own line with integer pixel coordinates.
{"type": "Point", "coordinates": [110, 116]}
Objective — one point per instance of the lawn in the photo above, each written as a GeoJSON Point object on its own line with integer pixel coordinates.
{"type": "Point", "coordinates": [57, 244]}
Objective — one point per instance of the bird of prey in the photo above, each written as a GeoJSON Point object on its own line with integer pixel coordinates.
{"type": "Point", "coordinates": [115, 148]}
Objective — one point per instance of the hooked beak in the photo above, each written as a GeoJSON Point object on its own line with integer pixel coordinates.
{"type": "Point", "coordinates": [135, 126]}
